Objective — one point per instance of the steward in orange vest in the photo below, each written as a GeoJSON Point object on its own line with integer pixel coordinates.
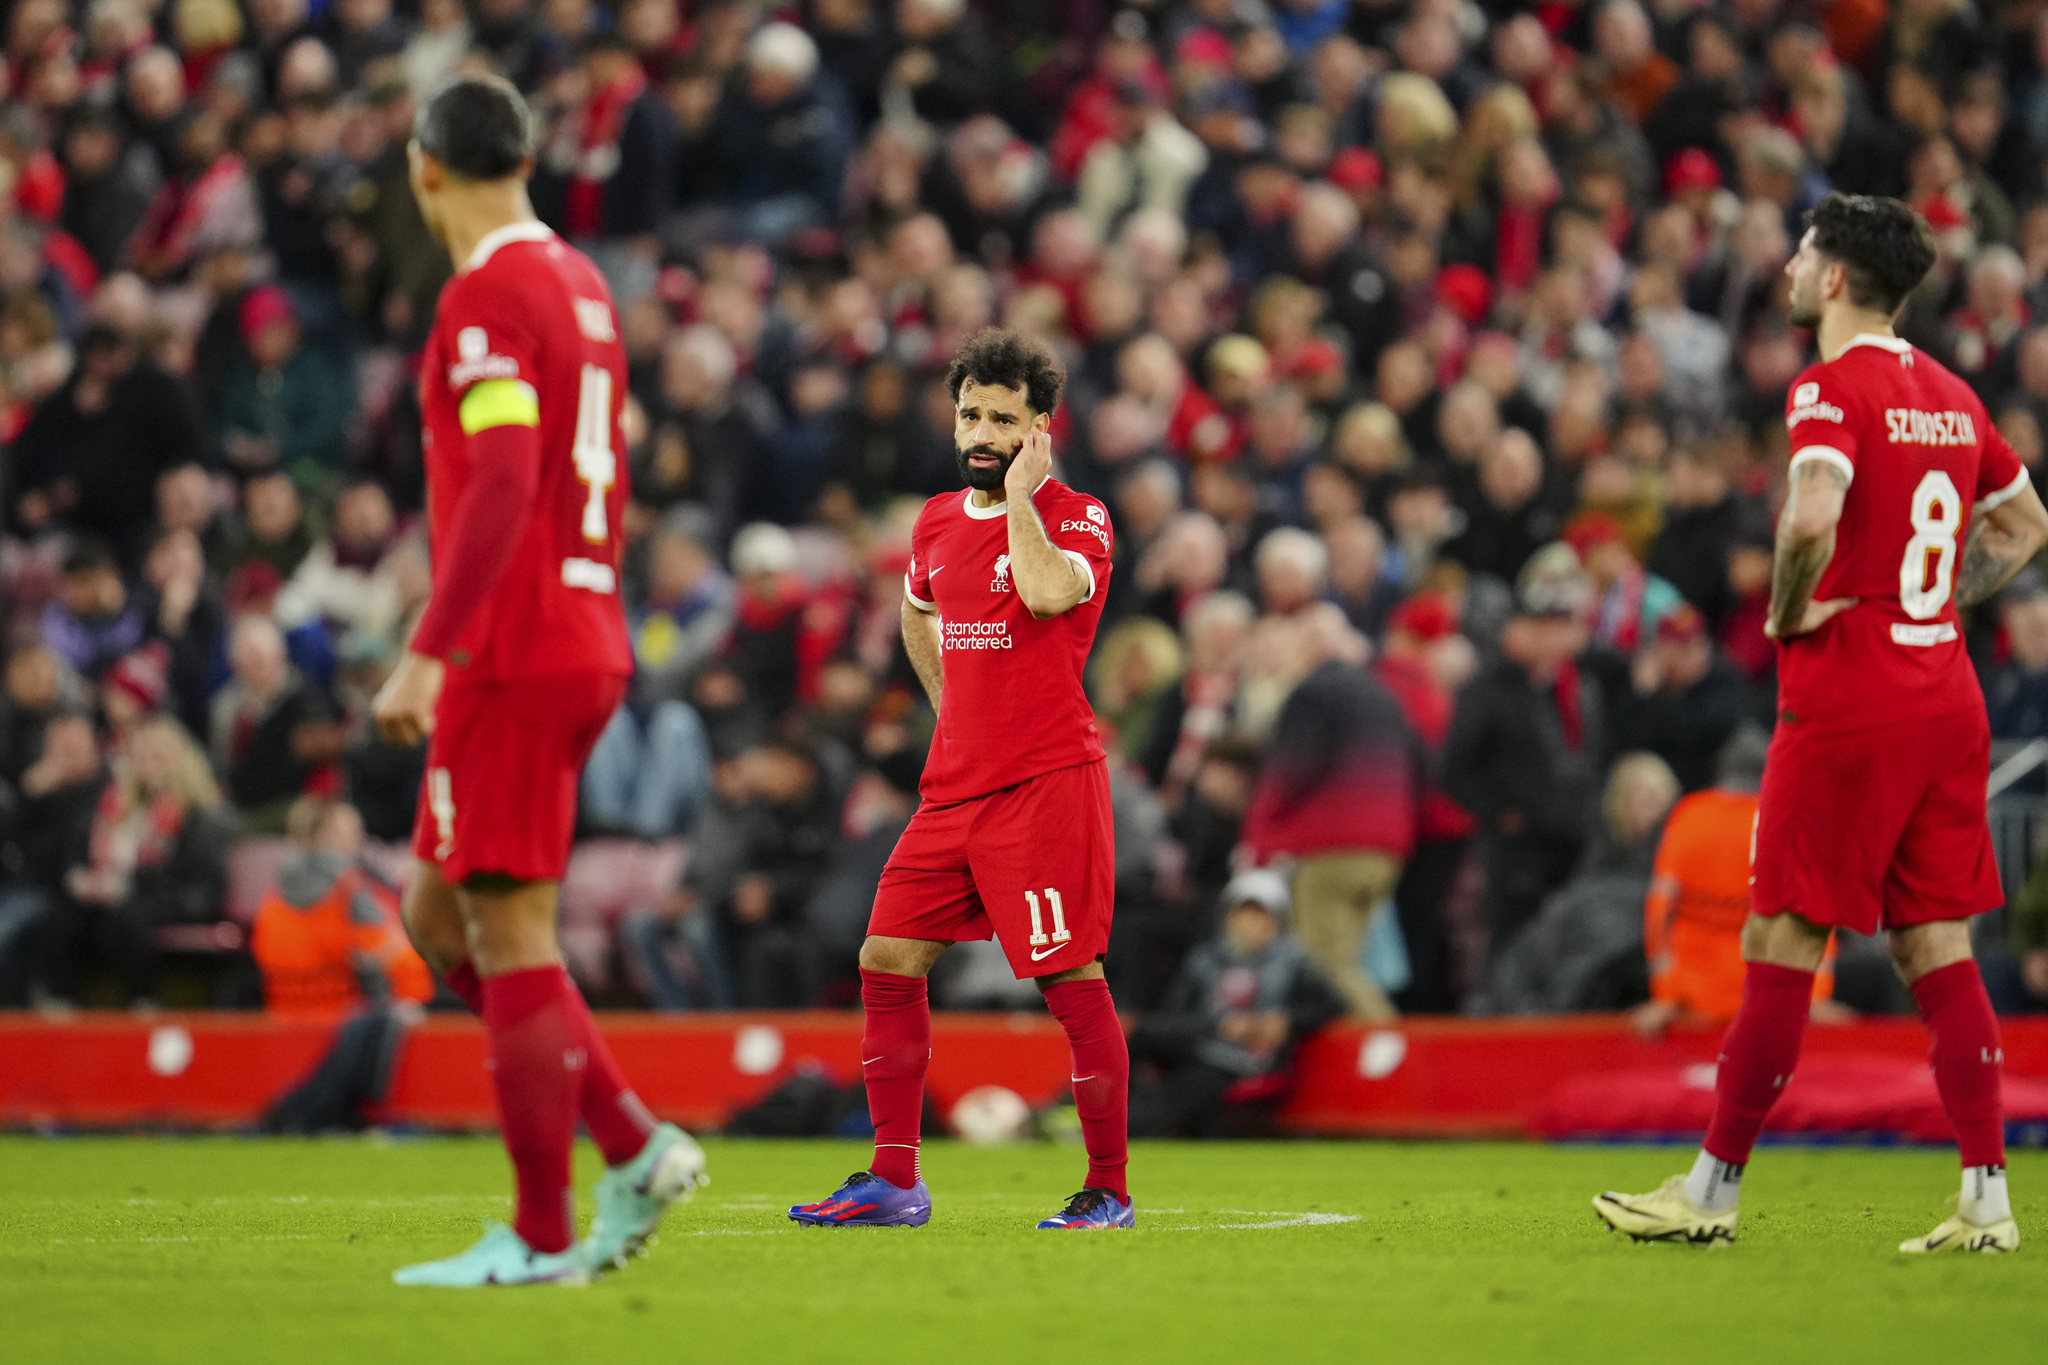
{"type": "Point", "coordinates": [328, 939]}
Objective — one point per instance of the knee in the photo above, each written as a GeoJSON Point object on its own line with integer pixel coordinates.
{"type": "Point", "coordinates": [898, 956]}
{"type": "Point", "coordinates": [439, 939]}
{"type": "Point", "coordinates": [1928, 947]}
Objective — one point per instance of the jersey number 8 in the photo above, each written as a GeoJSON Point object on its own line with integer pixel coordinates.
{"type": "Point", "coordinates": [596, 465]}
{"type": "Point", "coordinates": [1928, 572]}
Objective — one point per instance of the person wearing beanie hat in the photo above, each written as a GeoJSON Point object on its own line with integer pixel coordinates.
{"type": "Point", "coordinates": [285, 404]}
{"type": "Point", "coordinates": [1422, 661]}
{"type": "Point", "coordinates": [1629, 602]}
{"type": "Point", "coordinates": [134, 688]}
{"type": "Point", "coordinates": [1214, 1058]}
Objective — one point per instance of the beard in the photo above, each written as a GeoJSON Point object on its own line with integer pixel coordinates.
{"type": "Point", "coordinates": [1801, 311]}
{"type": "Point", "coordinates": [985, 480]}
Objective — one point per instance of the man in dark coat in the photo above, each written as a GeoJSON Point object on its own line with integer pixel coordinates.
{"type": "Point", "coordinates": [1524, 752]}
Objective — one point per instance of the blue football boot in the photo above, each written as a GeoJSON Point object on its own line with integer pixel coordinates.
{"type": "Point", "coordinates": [867, 1201]}
{"type": "Point", "coordinates": [1094, 1209]}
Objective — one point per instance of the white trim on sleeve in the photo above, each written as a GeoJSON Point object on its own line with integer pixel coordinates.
{"type": "Point", "coordinates": [914, 599]}
{"type": "Point", "coordinates": [1083, 566]}
{"type": "Point", "coordinates": [1827, 453]}
{"type": "Point", "coordinates": [2006, 494]}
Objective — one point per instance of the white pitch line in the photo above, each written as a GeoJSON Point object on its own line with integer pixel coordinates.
{"type": "Point", "coordinates": [1287, 1220]}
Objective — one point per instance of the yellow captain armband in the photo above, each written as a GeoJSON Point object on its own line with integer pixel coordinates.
{"type": "Point", "coordinates": [499, 403]}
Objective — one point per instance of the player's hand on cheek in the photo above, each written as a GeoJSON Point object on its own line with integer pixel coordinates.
{"type": "Point", "coordinates": [1032, 466]}
{"type": "Point", "coordinates": [404, 708]}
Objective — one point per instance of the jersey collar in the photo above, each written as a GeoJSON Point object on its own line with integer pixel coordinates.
{"type": "Point", "coordinates": [991, 513]}
{"type": "Point", "coordinates": [1896, 345]}
{"type": "Point", "coordinates": [505, 236]}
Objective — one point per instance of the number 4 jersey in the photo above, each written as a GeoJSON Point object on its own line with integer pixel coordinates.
{"type": "Point", "coordinates": [529, 310]}
{"type": "Point", "coordinates": [1920, 454]}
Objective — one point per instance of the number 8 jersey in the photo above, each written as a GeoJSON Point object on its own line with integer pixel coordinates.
{"type": "Point", "coordinates": [526, 333]}
{"type": "Point", "coordinates": [1920, 454]}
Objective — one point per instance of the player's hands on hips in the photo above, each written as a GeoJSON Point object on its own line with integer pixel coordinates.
{"type": "Point", "coordinates": [1032, 466]}
{"type": "Point", "coordinates": [405, 706]}
{"type": "Point", "coordinates": [1817, 615]}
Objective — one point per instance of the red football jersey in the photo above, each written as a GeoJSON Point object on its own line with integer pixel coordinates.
{"type": "Point", "coordinates": [1012, 707]}
{"type": "Point", "coordinates": [530, 308]}
{"type": "Point", "coordinates": [1920, 452]}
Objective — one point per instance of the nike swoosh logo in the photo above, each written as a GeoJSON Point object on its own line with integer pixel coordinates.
{"type": "Point", "coordinates": [869, 1061]}
{"type": "Point", "coordinates": [1040, 956]}
{"type": "Point", "coordinates": [935, 573]}
{"type": "Point", "coordinates": [1080, 1078]}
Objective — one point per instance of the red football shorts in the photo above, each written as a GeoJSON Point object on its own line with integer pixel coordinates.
{"type": "Point", "coordinates": [1034, 864]}
{"type": "Point", "coordinates": [503, 766]}
{"type": "Point", "coordinates": [1877, 827]}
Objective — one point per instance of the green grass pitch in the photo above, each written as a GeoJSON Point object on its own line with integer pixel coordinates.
{"type": "Point", "coordinates": [222, 1251]}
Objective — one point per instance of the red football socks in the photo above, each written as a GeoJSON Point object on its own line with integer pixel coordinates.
{"type": "Point", "coordinates": [537, 1053]}
{"type": "Point", "coordinates": [617, 1121]}
{"type": "Point", "coordinates": [1757, 1057]}
{"type": "Point", "coordinates": [1102, 1078]}
{"type": "Point", "coordinates": [895, 1049]}
{"type": "Point", "coordinates": [1967, 1058]}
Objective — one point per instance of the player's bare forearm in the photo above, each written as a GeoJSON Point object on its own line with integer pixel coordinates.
{"type": "Point", "coordinates": [2002, 542]}
{"type": "Point", "coordinates": [1806, 542]}
{"type": "Point", "coordinates": [1047, 581]}
{"type": "Point", "coordinates": [1795, 570]}
{"type": "Point", "coordinates": [921, 643]}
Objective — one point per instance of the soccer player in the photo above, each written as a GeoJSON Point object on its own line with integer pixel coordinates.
{"type": "Point", "coordinates": [517, 663]}
{"type": "Point", "coordinates": [1005, 588]}
{"type": "Point", "coordinates": [1872, 808]}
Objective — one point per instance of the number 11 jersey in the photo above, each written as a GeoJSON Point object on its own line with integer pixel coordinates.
{"type": "Point", "coordinates": [1920, 454]}
{"type": "Point", "coordinates": [529, 309]}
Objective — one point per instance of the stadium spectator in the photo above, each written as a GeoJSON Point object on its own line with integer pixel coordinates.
{"type": "Point", "coordinates": [43, 835]}
{"type": "Point", "coordinates": [155, 856]}
{"type": "Point", "coordinates": [1422, 662]}
{"type": "Point", "coordinates": [2016, 690]}
{"type": "Point", "coordinates": [272, 733]}
{"type": "Point", "coordinates": [90, 455]}
{"type": "Point", "coordinates": [1525, 746]}
{"type": "Point", "coordinates": [1222, 1039]}
{"type": "Point", "coordinates": [1584, 948]}
{"type": "Point", "coordinates": [1338, 796]}
{"type": "Point", "coordinates": [1680, 700]}
{"type": "Point", "coordinates": [283, 407]}
{"type": "Point", "coordinates": [93, 621]}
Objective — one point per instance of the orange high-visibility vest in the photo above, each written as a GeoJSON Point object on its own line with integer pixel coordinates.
{"type": "Point", "coordinates": [307, 956]}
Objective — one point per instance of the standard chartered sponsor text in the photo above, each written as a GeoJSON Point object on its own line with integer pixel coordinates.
{"type": "Point", "coordinates": [976, 634]}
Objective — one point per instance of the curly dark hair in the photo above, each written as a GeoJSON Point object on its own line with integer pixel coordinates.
{"type": "Point", "coordinates": [1884, 245]}
{"type": "Point", "coordinates": [1011, 360]}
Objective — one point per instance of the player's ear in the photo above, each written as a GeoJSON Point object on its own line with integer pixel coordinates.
{"type": "Point", "coordinates": [1834, 279]}
{"type": "Point", "coordinates": [1042, 422]}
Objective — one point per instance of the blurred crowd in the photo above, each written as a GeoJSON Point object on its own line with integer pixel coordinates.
{"type": "Point", "coordinates": [1430, 355]}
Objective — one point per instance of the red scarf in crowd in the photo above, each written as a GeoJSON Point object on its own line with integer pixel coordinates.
{"type": "Point", "coordinates": [597, 150]}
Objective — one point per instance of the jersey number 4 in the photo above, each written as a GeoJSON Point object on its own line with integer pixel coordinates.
{"type": "Point", "coordinates": [1927, 574]}
{"type": "Point", "coordinates": [596, 465]}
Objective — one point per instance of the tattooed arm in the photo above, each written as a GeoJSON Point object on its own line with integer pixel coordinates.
{"type": "Point", "coordinates": [2001, 542]}
{"type": "Point", "coordinates": [1806, 542]}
